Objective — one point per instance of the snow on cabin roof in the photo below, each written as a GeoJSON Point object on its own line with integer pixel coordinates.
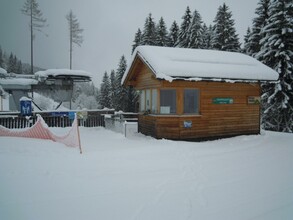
{"type": "Point", "coordinates": [62, 72]}
{"type": "Point", "coordinates": [197, 64]}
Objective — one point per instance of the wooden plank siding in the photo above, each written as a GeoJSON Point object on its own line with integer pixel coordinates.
{"type": "Point", "coordinates": [213, 120]}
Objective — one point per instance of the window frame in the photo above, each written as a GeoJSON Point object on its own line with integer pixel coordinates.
{"type": "Point", "coordinates": [160, 103]}
{"type": "Point", "coordinates": [197, 102]}
{"type": "Point", "coordinates": [154, 101]}
{"type": "Point", "coordinates": [142, 105]}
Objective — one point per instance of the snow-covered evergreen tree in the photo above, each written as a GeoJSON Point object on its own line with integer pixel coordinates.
{"type": "Point", "coordinates": [85, 96]}
{"type": "Point", "coordinates": [183, 39]}
{"type": "Point", "coordinates": [105, 99]}
{"type": "Point", "coordinates": [19, 67]}
{"type": "Point", "coordinates": [15, 61]}
{"type": "Point", "coordinates": [122, 93]}
{"type": "Point", "coordinates": [113, 91]}
{"type": "Point", "coordinates": [262, 12]}
{"type": "Point", "coordinates": [162, 33]}
{"type": "Point", "coordinates": [149, 36]}
{"type": "Point", "coordinates": [225, 38]}
{"type": "Point", "coordinates": [84, 101]}
{"type": "Point", "coordinates": [126, 97]}
{"type": "Point", "coordinates": [194, 32]}
{"type": "Point", "coordinates": [173, 34]}
{"type": "Point", "coordinates": [137, 40]}
{"type": "Point", "coordinates": [207, 36]}
{"type": "Point", "coordinates": [277, 52]}
{"type": "Point", "coordinates": [246, 45]}
{"type": "Point", "coordinates": [11, 67]}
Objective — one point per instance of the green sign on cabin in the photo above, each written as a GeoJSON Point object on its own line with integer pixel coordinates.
{"type": "Point", "coordinates": [222, 100]}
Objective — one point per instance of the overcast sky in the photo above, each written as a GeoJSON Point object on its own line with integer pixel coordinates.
{"type": "Point", "coordinates": [109, 28]}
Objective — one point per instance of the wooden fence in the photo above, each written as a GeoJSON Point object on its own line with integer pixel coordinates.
{"type": "Point", "coordinates": [90, 118]}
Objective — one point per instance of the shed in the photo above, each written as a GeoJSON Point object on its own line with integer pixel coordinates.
{"type": "Point", "coordinates": [187, 94]}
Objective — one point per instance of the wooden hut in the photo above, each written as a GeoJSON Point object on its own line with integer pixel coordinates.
{"type": "Point", "coordinates": [196, 94]}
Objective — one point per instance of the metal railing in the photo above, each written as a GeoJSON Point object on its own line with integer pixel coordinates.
{"type": "Point", "coordinates": [89, 118]}
{"type": "Point", "coordinates": [116, 122]}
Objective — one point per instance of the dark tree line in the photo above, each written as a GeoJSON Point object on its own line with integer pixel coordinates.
{"type": "Point", "coordinates": [192, 32]}
{"type": "Point", "coordinates": [113, 95]}
{"type": "Point", "coordinates": [11, 63]}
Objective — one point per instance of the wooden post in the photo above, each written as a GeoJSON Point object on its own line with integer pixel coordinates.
{"type": "Point", "coordinates": [78, 135]}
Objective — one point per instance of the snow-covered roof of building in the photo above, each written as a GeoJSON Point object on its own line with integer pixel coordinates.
{"type": "Point", "coordinates": [196, 64]}
{"type": "Point", "coordinates": [3, 70]}
{"type": "Point", "coordinates": [18, 81]}
{"type": "Point", "coordinates": [59, 73]}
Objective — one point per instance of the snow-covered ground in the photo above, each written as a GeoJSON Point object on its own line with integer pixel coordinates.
{"type": "Point", "coordinates": [245, 177]}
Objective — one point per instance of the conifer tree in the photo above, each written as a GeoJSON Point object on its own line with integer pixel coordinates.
{"type": "Point", "coordinates": [277, 52]}
{"type": "Point", "coordinates": [225, 38]}
{"type": "Point", "coordinates": [126, 97]}
{"type": "Point", "coordinates": [15, 61]}
{"type": "Point", "coordinates": [113, 92]}
{"type": "Point", "coordinates": [105, 100]}
{"type": "Point", "coordinates": [173, 34]}
{"type": "Point", "coordinates": [194, 32]}
{"type": "Point", "coordinates": [122, 92]}
{"type": "Point", "coordinates": [262, 12]}
{"type": "Point", "coordinates": [162, 33]}
{"type": "Point", "coordinates": [37, 22]}
{"type": "Point", "coordinates": [149, 36]}
{"type": "Point", "coordinates": [247, 42]}
{"type": "Point", "coordinates": [183, 40]}
{"type": "Point", "coordinates": [137, 40]}
{"type": "Point", "coordinates": [19, 67]}
{"type": "Point", "coordinates": [11, 64]}
{"type": "Point", "coordinates": [207, 36]}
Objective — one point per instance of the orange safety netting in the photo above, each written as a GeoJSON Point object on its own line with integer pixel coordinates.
{"type": "Point", "coordinates": [40, 130]}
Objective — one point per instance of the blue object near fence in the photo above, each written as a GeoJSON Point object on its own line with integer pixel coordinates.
{"type": "Point", "coordinates": [25, 107]}
{"type": "Point", "coordinates": [71, 115]}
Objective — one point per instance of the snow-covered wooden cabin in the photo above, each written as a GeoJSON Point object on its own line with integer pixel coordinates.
{"type": "Point", "coordinates": [196, 94]}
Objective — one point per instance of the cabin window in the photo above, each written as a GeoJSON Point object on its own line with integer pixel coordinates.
{"type": "Point", "coordinates": [148, 100]}
{"type": "Point", "coordinates": [191, 101]}
{"type": "Point", "coordinates": [154, 101]}
{"type": "Point", "coordinates": [142, 101]}
{"type": "Point", "coordinates": [168, 101]}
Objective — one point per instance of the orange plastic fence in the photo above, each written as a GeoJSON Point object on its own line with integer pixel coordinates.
{"type": "Point", "coordinates": [40, 130]}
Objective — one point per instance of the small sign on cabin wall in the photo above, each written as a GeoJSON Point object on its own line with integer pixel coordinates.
{"type": "Point", "coordinates": [223, 100]}
{"type": "Point", "coordinates": [253, 100]}
{"type": "Point", "coordinates": [187, 124]}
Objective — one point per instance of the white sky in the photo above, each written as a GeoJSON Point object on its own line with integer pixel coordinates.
{"type": "Point", "coordinates": [109, 28]}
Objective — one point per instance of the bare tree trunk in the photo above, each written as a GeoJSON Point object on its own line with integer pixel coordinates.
{"type": "Point", "coordinates": [32, 41]}
{"type": "Point", "coordinates": [70, 48]}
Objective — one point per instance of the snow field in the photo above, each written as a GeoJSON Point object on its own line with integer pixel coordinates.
{"type": "Point", "coordinates": [246, 177]}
